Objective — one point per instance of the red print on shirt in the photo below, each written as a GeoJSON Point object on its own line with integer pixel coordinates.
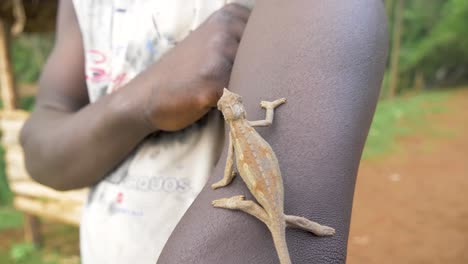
{"type": "Point", "coordinates": [98, 70]}
{"type": "Point", "coordinates": [119, 197]}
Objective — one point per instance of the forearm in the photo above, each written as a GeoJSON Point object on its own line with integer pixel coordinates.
{"type": "Point", "coordinates": [327, 59]}
{"type": "Point", "coordinates": [70, 144]}
{"type": "Point", "coordinates": [67, 150]}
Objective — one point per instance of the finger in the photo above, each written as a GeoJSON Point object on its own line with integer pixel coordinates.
{"type": "Point", "coordinates": [236, 28]}
{"type": "Point", "coordinates": [232, 19]}
{"type": "Point", "coordinates": [237, 11]}
{"type": "Point", "coordinates": [230, 49]}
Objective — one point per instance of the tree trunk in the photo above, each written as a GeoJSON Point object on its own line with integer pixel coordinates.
{"type": "Point", "coordinates": [32, 229]}
{"type": "Point", "coordinates": [419, 83]}
{"type": "Point", "coordinates": [395, 58]}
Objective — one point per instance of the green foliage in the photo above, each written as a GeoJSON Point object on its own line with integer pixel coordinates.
{"type": "Point", "coordinates": [401, 117]}
{"type": "Point", "coordinates": [446, 43]}
{"type": "Point", "coordinates": [5, 193]}
{"type": "Point", "coordinates": [26, 253]}
{"type": "Point", "coordinates": [29, 53]}
{"type": "Point", "coordinates": [20, 252]}
{"type": "Point", "coordinates": [435, 42]}
{"type": "Point", "coordinates": [27, 103]}
{"type": "Point", "coordinates": [10, 218]}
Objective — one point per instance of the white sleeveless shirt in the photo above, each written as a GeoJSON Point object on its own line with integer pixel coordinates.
{"type": "Point", "coordinates": [131, 213]}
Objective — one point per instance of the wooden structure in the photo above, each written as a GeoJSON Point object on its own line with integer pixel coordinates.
{"type": "Point", "coordinates": [33, 199]}
{"type": "Point", "coordinates": [38, 16]}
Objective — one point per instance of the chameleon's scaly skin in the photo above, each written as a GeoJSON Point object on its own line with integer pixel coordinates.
{"type": "Point", "coordinates": [259, 168]}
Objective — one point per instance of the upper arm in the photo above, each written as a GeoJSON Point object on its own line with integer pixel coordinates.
{"type": "Point", "coordinates": [63, 84]}
{"type": "Point", "coordinates": [327, 58]}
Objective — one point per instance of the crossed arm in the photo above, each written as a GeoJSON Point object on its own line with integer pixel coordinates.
{"type": "Point", "coordinates": [70, 143]}
{"type": "Point", "coordinates": [327, 58]}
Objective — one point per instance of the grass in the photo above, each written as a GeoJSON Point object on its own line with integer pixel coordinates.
{"type": "Point", "coordinates": [26, 253]}
{"type": "Point", "coordinates": [402, 117]}
{"type": "Point", "coordinates": [14, 250]}
{"type": "Point", "coordinates": [10, 218]}
{"type": "Point", "coordinates": [5, 193]}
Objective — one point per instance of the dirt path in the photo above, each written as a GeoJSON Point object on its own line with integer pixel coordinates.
{"type": "Point", "coordinates": [412, 206]}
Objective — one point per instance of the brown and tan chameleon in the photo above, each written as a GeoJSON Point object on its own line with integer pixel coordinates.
{"type": "Point", "coordinates": [258, 167]}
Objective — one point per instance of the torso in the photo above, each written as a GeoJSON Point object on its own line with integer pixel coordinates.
{"type": "Point", "coordinates": [130, 214]}
{"type": "Point", "coordinates": [258, 166]}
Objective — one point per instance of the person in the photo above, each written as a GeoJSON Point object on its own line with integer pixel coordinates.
{"type": "Point", "coordinates": [126, 106]}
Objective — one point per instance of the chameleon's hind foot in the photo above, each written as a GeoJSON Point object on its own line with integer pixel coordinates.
{"type": "Point", "coordinates": [308, 225]}
{"type": "Point", "coordinates": [272, 105]}
{"type": "Point", "coordinates": [229, 203]}
{"type": "Point", "coordinates": [239, 203]}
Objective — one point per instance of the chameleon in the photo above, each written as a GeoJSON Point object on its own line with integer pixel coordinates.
{"type": "Point", "coordinates": [258, 166]}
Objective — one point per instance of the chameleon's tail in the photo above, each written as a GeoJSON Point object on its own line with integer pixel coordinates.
{"type": "Point", "coordinates": [278, 231]}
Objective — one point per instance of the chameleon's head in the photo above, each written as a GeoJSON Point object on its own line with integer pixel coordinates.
{"type": "Point", "coordinates": [230, 104]}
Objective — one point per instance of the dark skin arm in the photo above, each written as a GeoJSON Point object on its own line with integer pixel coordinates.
{"type": "Point", "coordinates": [327, 58]}
{"type": "Point", "coordinates": [69, 143]}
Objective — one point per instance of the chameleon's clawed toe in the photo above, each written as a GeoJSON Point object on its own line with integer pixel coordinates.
{"type": "Point", "coordinates": [280, 101]}
{"type": "Point", "coordinates": [272, 105]}
{"type": "Point", "coordinates": [238, 198]}
{"type": "Point", "coordinates": [224, 182]}
{"type": "Point", "coordinates": [326, 231]}
{"type": "Point", "coordinates": [217, 185]}
{"type": "Point", "coordinates": [218, 202]}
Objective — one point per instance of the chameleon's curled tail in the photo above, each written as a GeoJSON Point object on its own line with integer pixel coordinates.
{"type": "Point", "coordinates": [278, 231]}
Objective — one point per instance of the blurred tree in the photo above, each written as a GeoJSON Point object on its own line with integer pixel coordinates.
{"type": "Point", "coordinates": [434, 44]}
{"type": "Point", "coordinates": [396, 43]}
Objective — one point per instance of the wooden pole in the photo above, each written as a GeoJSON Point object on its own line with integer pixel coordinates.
{"type": "Point", "coordinates": [32, 229]}
{"type": "Point", "coordinates": [55, 210]}
{"type": "Point", "coordinates": [395, 58]}
{"type": "Point", "coordinates": [7, 83]}
{"type": "Point", "coordinates": [20, 17]}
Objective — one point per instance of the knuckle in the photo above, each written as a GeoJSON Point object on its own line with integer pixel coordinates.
{"type": "Point", "coordinates": [206, 98]}
{"type": "Point", "coordinates": [231, 7]}
{"type": "Point", "coordinates": [219, 40]}
{"type": "Point", "coordinates": [202, 100]}
{"type": "Point", "coordinates": [208, 70]}
{"type": "Point", "coordinates": [226, 15]}
{"type": "Point", "coordinates": [215, 69]}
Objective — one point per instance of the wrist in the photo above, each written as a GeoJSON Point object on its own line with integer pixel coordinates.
{"type": "Point", "coordinates": [131, 111]}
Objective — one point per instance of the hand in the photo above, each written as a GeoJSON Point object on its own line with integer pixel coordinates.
{"type": "Point", "coordinates": [190, 78]}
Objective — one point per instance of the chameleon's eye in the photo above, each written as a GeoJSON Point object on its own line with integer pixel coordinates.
{"type": "Point", "coordinates": [237, 110]}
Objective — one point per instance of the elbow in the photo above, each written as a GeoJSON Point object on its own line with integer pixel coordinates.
{"type": "Point", "coordinates": [49, 182]}
{"type": "Point", "coordinates": [40, 176]}
{"type": "Point", "coordinates": [46, 177]}
{"type": "Point", "coordinates": [37, 165]}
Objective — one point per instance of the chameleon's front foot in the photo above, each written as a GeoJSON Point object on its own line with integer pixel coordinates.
{"type": "Point", "coordinates": [270, 108]}
{"type": "Point", "coordinates": [224, 182]}
{"type": "Point", "coordinates": [272, 105]}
